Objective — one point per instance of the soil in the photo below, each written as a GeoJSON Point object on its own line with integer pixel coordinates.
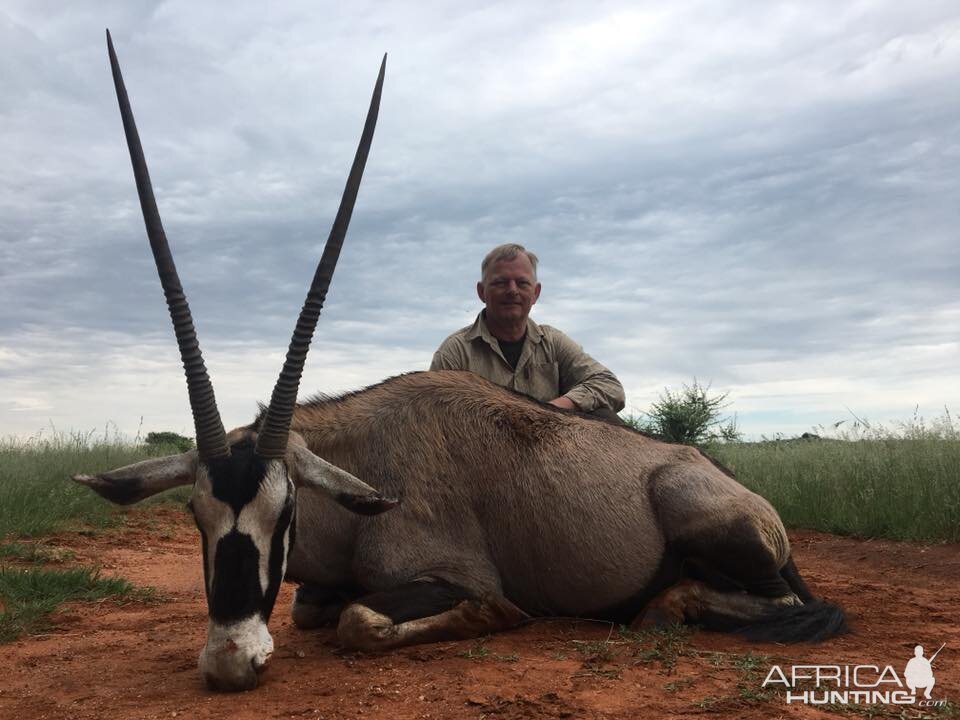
{"type": "Point", "coordinates": [139, 660]}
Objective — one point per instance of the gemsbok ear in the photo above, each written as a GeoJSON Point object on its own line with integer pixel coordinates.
{"type": "Point", "coordinates": [132, 483]}
{"type": "Point", "coordinates": [308, 470]}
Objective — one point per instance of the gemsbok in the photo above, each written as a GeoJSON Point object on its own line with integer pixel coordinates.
{"type": "Point", "coordinates": [502, 508]}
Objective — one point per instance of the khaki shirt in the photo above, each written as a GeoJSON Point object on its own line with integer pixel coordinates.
{"type": "Point", "coordinates": [550, 365]}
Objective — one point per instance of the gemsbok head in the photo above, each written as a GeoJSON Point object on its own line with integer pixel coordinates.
{"type": "Point", "coordinates": [244, 481]}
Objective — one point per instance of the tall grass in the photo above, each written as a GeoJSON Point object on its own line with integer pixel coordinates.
{"type": "Point", "coordinates": [901, 483]}
{"type": "Point", "coordinates": [36, 493]}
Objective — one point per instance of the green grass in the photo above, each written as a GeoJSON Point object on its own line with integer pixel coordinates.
{"type": "Point", "coordinates": [663, 645]}
{"type": "Point", "coordinates": [30, 595]}
{"type": "Point", "coordinates": [478, 651]}
{"type": "Point", "coordinates": [37, 497]}
{"type": "Point", "coordinates": [36, 494]}
{"type": "Point", "coordinates": [902, 484]}
{"type": "Point", "coordinates": [900, 487]}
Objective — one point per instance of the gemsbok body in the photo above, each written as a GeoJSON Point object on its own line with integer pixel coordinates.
{"type": "Point", "coordinates": [501, 508]}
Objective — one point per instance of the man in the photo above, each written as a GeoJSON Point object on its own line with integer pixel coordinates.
{"type": "Point", "coordinates": [508, 348]}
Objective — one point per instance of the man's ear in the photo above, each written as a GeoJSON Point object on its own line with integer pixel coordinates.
{"type": "Point", "coordinates": [536, 293]}
{"type": "Point", "coordinates": [482, 292]}
{"type": "Point", "coordinates": [308, 470]}
{"type": "Point", "coordinates": [133, 483]}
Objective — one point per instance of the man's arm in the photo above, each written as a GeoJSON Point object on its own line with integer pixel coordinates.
{"type": "Point", "coordinates": [583, 381]}
{"type": "Point", "coordinates": [451, 355]}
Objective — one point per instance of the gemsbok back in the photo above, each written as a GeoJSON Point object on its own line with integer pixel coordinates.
{"type": "Point", "coordinates": [503, 508]}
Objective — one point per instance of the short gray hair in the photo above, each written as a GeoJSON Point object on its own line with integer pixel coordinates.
{"type": "Point", "coordinates": [507, 251]}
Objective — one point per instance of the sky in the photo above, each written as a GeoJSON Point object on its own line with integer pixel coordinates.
{"type": "Point", "coordinates": [761, 196]}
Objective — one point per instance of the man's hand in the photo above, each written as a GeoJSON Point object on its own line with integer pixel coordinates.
{"type": "Point", "coordinates": [564, 402]}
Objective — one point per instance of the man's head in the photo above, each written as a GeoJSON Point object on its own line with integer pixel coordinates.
{"type": "Point", "coordinates": [508, 284]}
{"type": "Point", "coordinates": [507, 251]}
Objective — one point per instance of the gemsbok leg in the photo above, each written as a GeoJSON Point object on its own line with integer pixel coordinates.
{"type": "Point", "coordinates": [421, 612]}
{"type": "Point", "coordinates": [739, 574]}
{"type": "Point", "coordinates": [315, 606]}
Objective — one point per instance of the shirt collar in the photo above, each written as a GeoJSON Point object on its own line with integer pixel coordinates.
{"type": "Point", "coordinates": [480, 330]}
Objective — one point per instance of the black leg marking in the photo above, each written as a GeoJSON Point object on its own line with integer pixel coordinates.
{"type": "Point", "coordinates": [772, 586]}
{"type": "Point", "coordinates": [318, 595]}
{"type": "Point", "coordinates": [415, 600]}
{"type": "Point", "coordinates": [315, 606]}
{"type": "Point", "coordinates": [792, 576]}
{"type": "Point", "coordinates": [698, 569]}
{"type": "Point", "coordinates": [734, 558]}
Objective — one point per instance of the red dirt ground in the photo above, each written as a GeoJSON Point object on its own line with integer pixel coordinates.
{"type": "Point", "coordinates": [139, 660]}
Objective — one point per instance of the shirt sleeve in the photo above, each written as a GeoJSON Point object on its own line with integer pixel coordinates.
{"type": "Point", "coordinates": [585, 381]}
{"type": "Point", "coordinates": [450, 356]}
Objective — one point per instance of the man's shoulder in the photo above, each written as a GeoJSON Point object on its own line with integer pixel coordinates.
{"type": "Point", "coordinates": [549, 332]}
{"type": "Point", "coordinates": [458, 346]}
{"type": "Point", "coordinates": [458, 337]}
{"type": "Point", "coordinates": [457, 349]}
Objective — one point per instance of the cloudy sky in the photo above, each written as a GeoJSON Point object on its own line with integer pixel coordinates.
{"type": "Point", "coordinates": [763, 196]}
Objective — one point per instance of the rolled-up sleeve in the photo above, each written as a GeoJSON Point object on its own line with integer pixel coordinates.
{"type": "Point", "coordinates": [584, 380]}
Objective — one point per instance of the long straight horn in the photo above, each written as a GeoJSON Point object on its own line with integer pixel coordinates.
{"type": "Point", "coordinates": [272, 439]}
{"type": "Point", "coordinates": [211, 439]}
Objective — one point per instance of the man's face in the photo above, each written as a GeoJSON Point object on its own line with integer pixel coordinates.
{"type": "Point", "coordinates": [509, 290]}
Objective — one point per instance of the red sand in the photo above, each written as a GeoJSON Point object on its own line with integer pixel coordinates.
{"type": "Point", "coordinates": [139, 661]}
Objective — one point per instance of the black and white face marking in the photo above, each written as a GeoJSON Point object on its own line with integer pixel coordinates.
{"type": "Point", "coordinates": [244, 508]}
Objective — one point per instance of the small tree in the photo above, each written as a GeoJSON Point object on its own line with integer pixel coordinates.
{"type": "Point", "coordinates": [689, 416]}
{"type": "Point", "coordinates": [169, 439]}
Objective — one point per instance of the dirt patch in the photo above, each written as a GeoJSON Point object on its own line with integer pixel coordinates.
{"type": "Point", "coordinates": [139, 660]}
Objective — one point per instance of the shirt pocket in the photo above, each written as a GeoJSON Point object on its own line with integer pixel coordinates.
{"type": "Point", "coordinates": [542, 380]}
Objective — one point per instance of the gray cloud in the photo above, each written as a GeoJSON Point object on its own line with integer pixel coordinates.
{"type": "Point", "coordinates": [759, 195]}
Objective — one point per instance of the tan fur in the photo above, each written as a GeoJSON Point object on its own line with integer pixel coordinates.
{"type": "Point", "coordinates": [527, 509]}
{"type": "Point", "coordinates": [506, 496]}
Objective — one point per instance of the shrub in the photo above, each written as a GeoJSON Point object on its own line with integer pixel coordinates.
{"type": "Point", "coordinates": [169, 439]}
{"type": "Point", "coordinates": [688, 416]}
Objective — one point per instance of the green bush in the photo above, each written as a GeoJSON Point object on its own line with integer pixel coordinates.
{"type": "Point", "coordinates": [169, 440]}
{"type": "Point", "coordinates": [688, 416]}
